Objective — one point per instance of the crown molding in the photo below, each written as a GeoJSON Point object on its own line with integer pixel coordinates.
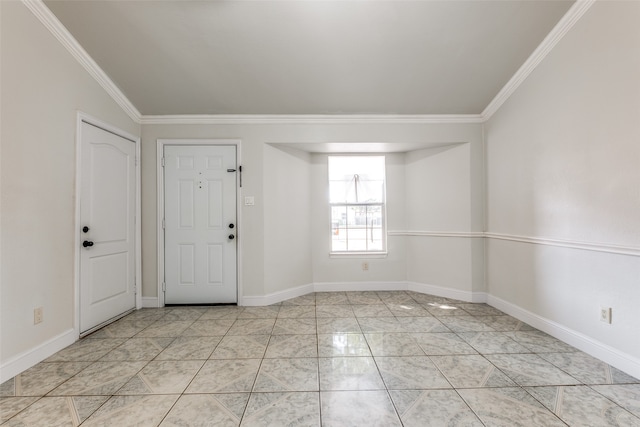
{"type": "Point", "coordinates": [563, 26]}
{"type": "Point", "coordinates": [268, 119]}
{"type": "Point", "coordinates": [49, 20]}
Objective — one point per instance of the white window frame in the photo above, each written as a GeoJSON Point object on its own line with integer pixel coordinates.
{"type": "Point", "coordinates": [383, 210]}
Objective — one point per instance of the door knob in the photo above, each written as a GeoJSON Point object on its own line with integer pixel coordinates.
{"type": "Point", "coordinates": [231, 237]}
{"type": "Point", "coordinates": [87, 243]}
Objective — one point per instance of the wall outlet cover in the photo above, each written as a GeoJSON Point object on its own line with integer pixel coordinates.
{"type": "Point", "coordinates": [37, 315]}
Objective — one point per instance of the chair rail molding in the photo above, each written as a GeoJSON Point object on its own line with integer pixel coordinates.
{"type": "Point", "coordinates": [534, 240]}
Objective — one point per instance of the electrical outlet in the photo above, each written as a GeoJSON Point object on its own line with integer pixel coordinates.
{"type": "Point", "coordinates": [365, 266]}
{"type": "Point", "coordinates": [605, 314]}
{"type": "Point", "coordinates": [37, 315]}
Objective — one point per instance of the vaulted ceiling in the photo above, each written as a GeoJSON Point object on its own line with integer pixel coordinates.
{"type": "Point", "coordinates": [310, 57]}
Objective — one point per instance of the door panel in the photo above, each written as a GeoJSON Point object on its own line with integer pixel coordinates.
{"type": "Point", "coordinates": [107, 208]}
{"type": "Point", "coordinates": [200, 204]}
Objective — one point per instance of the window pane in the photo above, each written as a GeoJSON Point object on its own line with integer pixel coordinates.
{"type": "Point", "coordinates": [357, 193]}
{"type": "Point", "coordinates": [341, 166]}
{"type": "Point", "coordinates": [356, 179]}
{"type": "Point", "coordinates": [338, 228]}
{"type": "Point", "coordinates": [338, 216]}
{"type": "Point", "coordinates": [357, 228]}
{"type": "Point", "coordinates": [357, 239]}
{"type": "Point", "coordinates": [375, 242]}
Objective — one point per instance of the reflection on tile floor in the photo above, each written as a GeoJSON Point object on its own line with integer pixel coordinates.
{"type": "Point", "coordinates": [324, 359]}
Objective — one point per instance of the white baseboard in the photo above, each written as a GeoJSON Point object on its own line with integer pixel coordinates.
{"type": "Point", "coordinates": [29, 358]}
{"type": "Point", "coordinates": [276, 297]}
{"type": "Point", "coordinates": [458, 294]}
{"type": "Point", "coordinates": [359, 286]}
{"type": "Point", "coordinates": [615, 358]}
{"type": "Point", "coordinates": [150, 302]}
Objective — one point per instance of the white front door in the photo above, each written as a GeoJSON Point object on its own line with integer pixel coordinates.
{"type": "Point", "coordinates": [107, 219]}
{"type": "Point", "coordinates": [200, 224]}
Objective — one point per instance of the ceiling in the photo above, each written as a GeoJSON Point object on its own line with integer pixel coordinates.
{"type": "Point", "coordinates": [309, 57]}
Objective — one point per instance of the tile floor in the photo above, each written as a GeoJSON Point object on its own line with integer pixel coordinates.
{"type": "Point", "coordinates": [325, 359]}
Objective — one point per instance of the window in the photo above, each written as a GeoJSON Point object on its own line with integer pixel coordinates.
{"type": "Point", "coordinates": [357, 199]}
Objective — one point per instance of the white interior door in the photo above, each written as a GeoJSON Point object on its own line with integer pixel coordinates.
{"type": "Point", "coordinates": [200, 224]}
{"type": "Point", "coordinates": [107, 215]}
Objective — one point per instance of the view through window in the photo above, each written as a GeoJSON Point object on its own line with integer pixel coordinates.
{"type": "Point", "coordinates": [357, 199]}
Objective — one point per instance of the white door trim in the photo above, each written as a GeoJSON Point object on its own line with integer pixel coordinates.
{"type": "Point", "coordinates": [82, 117]}
{"type": "Point", "coordinates": [160, 143]}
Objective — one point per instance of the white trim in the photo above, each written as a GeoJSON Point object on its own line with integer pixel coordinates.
{"type": "Point", "coordinates": [280, 296]}
{"type": "Point", "coordinates": [150, 302]}
{"type": "Point", "coordinates": [557, 33]}
{"type": "Point", "coordinates": [138, 224]}
{"type": "Point", "coordinates": [359, 286]}
{"type": "Point", "coordinates": [33, 356]}
{"type": "Point", "coordinates": [49, 20]}
{"type": "Point", "coordinates": [608, 354]}
{"type": "Point", "coordinates": [475, 297]}
{"type": "Point", "coordinates": [468, 234]}
{"type": "Point", "coordinates": [268, 119]}
{"type": "Point", "coordinates": [277, 297]}
{"type": "Point", "coordinates": [160, 143]}
{"type": "Point", "coordinates": [563, 243]}
{"type": "Point", "coordinates": [573, 244]}
{"type": "Point", "coordinates": [358, 255]}
{"type": "Point", "coordinates": [83, 117]}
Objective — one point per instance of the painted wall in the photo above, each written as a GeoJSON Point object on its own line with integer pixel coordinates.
{"type": "Point", "coordinates": [443, 194]}
{"type": "Point", "coordinates": [333, 271]}
{"type": "Point", "coordinates": [43, 88]}
{"type": "Point", "coordinates": [287, 219]}
{"type": "Point", "coordinates": [438, 199]}
{"type": "Point", "coordinates": [563, 162]}
{"type": "Point", "coordinates": [267, 177]}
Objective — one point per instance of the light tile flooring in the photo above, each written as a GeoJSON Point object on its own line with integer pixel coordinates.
{"type": "Point", "coordinates": [325, 359]}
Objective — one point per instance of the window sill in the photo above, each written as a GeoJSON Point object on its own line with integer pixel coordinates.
{"type": "Point", "coordinates": [368, 255]}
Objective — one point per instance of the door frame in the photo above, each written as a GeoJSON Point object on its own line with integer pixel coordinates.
{"type": "Point", "coordinates": [86, 118]}
{"type": "Point", "coordinates": [160, 143]}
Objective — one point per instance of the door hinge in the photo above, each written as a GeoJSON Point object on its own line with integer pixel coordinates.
{"type": "Point", "coordinates": [164, 224]}
{"type": "Point", "coordinates": [163, 162]}
{"type": "Point", "coordinates": [164, 287]}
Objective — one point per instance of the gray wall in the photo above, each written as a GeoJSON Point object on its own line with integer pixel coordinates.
{"type": "Point", "coordinates": [563, 163]}
{"type": "Point", "coordinates": [288, 185]}
{"type": "Point", "coordinates": [43, 88]}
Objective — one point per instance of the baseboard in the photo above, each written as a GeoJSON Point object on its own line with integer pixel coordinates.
{"type": "Point", "coordinates": [150, 302]}
{"type": "Point", "coordinates": [277, 297]}
{"type": "Point", "coordinates": [477, 297]}
{"type": "Point", "coordinates": [280, 296]}
{"type": "Point", "coordinates": [359, 286]}
{"type": "Point", "coordinates": [610, 355]}
{"type": "Point", "coordinates": [29, 358]}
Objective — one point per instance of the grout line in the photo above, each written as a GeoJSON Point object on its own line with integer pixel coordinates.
{"type": "Point", "coordinates": [360, 321]}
